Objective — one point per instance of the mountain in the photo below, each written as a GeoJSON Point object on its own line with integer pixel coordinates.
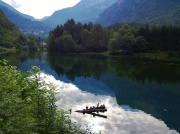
{"type": "Point", "coordinates": [8, 33]}
{"type": "Point", "coordinates": [11, 39]}
{"type": "Point", "coordinates": [84, 11]}
{"type": "Point", "coordinates": [7, 26]}
{"type": "Point", "coordinates": [25, 23]}
{"type": "Point", "coordinates": [142, 11]}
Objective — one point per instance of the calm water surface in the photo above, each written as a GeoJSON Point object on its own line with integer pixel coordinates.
{"type": "Point", "coordinates": [141, 96]}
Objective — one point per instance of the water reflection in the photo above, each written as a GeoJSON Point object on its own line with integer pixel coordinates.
{"type": "Point", "coordinates": [121, 119]}
{"type": "Point", "coordinates": [95, 66]}
{"type": "Point", "coordinates": [139, 85]}
{"type": "Point", "coordinates": [160, 100]}
{"type": "Point", "coordinates": [17, 59]}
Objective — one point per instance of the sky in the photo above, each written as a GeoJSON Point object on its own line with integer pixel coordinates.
{"type": "Point", "coordinates": [40, 8]}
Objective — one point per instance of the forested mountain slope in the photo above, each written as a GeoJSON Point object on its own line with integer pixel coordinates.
{"type": "Point", "coordinates": [11, 39]}
{"type": "Point", "coordinates": [8, 31]}
{"type": "Point", "coordinates": [84, 11]}
{"type": "Point", "coordinates": [142, 11]}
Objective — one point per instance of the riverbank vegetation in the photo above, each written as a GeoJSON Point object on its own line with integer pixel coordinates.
{"type": "Point", "coordinates": [28, 104]}
{"type": "Point", "coordinates": [124, 38]}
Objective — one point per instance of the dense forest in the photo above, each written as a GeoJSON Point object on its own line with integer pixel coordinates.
{"type": "Point", "coordinates": [117, 39]}
{"type": "Point", "coordinates": [135, 38]}
{"type": "Point", "coordinates": [72, 37]}
{"type": "Point", "coordinates": [11, 38]}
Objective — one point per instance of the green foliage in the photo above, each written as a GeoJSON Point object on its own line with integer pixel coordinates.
{"type": "Point", "coordinates": [113, 44]}
{"type": "Point", "coordinates": [141, 44]}
{"type": "Point", "coordinates": [28, 104]}
{"type": "Point", "coordinates": [161, 38]}
{"type": "Point", "coordinates": [87, 39]}
{"type": "Point", "coordinates": [127, 41]}
{"type": "Point", "coordinates": [100, 38]}
{"type": "Point", "coordinates": [8, 32]}
{"type": "Point", "coordinates": [78, 38]}
{"type": "Point", "coordinates": [120, 38]}
{"type": "Point", "coordinates": [144, 38]}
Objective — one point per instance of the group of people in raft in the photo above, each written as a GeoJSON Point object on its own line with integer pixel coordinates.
{"type": "Point", "coordinates": [97, 107]}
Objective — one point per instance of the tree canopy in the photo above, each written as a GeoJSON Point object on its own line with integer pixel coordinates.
{"type": "Point", "coordinates": [82, 38]}
{"type": "Point", "coordinates": [117, 39]}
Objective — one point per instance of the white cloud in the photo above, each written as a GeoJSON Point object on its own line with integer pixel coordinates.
{"type": "Point", "coordinates": [15, 4]}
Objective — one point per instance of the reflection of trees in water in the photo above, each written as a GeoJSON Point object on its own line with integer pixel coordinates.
{"type": "Point", "coordinates": [95, 66]}
{"type": "Point", "coordinates": [148, 86]}
{"type": "Point", "coordinates": [16, 59]}
{"type": "Point", "coordinates": [146, 71]}
{"type": "Point", "coordinates": [75, 66]}
{"type": "Point", "coordinates": [160, 100]}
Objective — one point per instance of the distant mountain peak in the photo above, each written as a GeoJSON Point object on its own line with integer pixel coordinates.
{"type": "Point", "coordinates": [84, 11]}
{"type": "Point", "coordinates": [120, 1]}
{"type": "Point", "coordinates": [93, 2]}
{"type": "Point", "coordinates": [142, 11]}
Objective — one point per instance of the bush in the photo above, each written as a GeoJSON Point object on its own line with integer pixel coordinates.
{"type": "Point", "coordinates": [28, 104]}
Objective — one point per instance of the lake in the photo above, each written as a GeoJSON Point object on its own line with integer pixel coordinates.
{"type": "Point", "coordinates": [141, 96]}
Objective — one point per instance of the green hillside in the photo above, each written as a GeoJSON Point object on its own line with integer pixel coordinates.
{"type": "Point", "coordinates": [11, 39]}
{"type": "Point", "coordinates": [7, 26]}
{"type": "Point", "coordinates": [8, 33]}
